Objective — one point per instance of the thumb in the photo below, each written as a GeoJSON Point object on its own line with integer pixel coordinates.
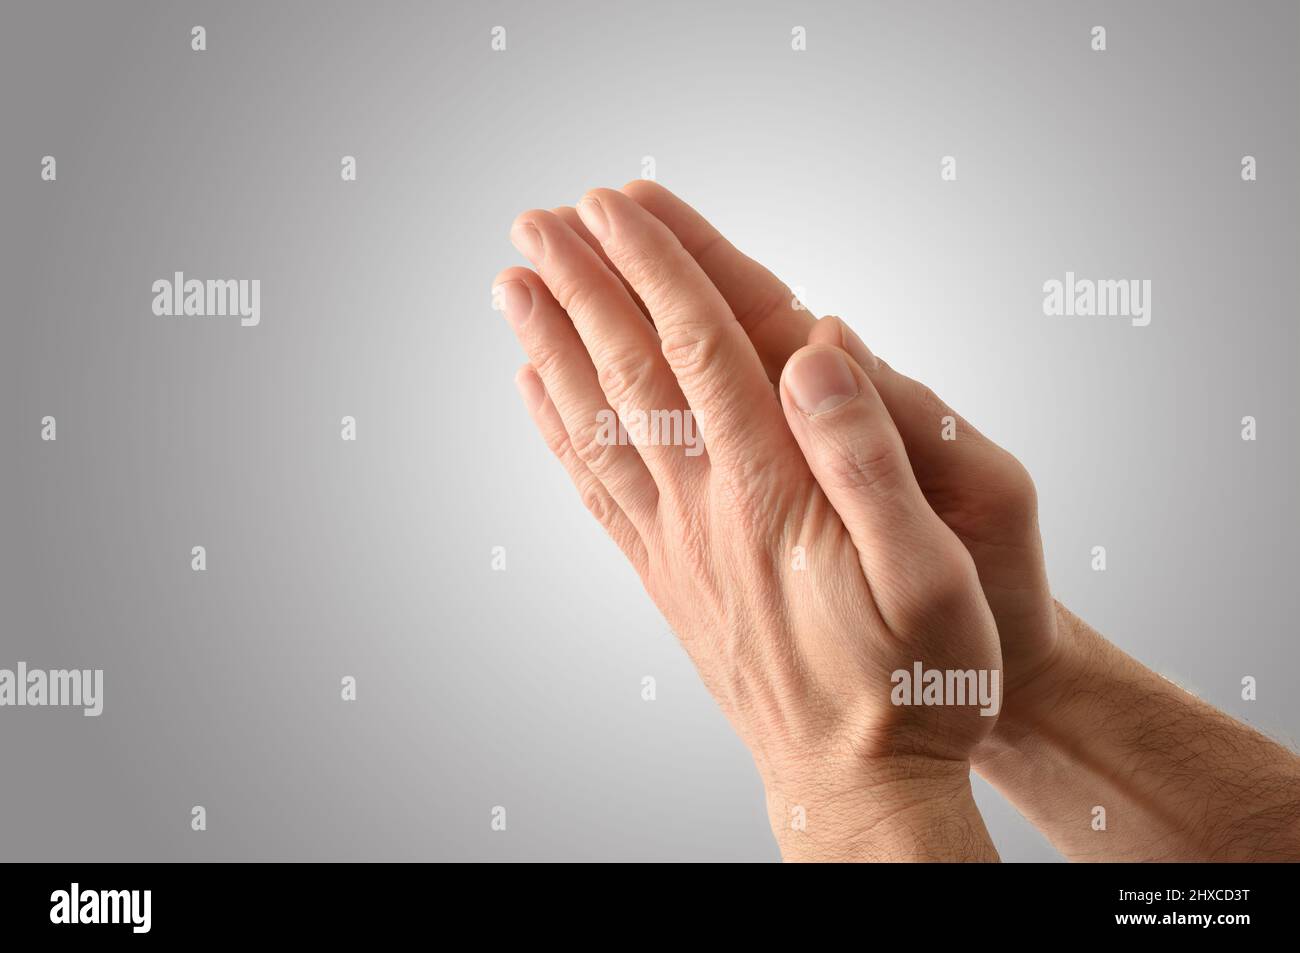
{"type": "Point", "coordinates": [963, 458]}
{"type": "Point", "coordinates": [857, 456]}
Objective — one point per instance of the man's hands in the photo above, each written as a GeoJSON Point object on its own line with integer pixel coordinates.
{"type": "Point", "coordinates": [797, 558]}
{"type": "Point", "coordinates": [979, 490]}
{"type": "Point", "coordinates": [830, 537]}
{"type": "Point", "coordinates": [1083, 727]}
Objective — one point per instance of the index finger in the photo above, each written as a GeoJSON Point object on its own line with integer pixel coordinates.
{"type": "Point", "coordinates": [714, 362]}
{"type": "Point", "coordinates": [762, 302]}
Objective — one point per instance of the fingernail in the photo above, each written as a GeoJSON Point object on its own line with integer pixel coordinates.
{"type": "Point", "coordinates": [530, 387]}
{"type": "Point", "coordinates": [592, 214]}
{"type": "Point", "coordinates": [820, 381]}
{"type": "Point", "coordinates": [859, 351]}
{"type": "Point", "coordinates": [516, 301]}
{"type": "Point", "coordinates": [528, 240]}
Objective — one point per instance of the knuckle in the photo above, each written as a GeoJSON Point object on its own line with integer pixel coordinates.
{"type": "Point", "coordinates": [597, 501]}
{"type": "Point", "coordinates": [591, 448]}
{"type": "Point", "coordinates": [548, 362]}
{"type": "Point", "coordinates": [622, 376]}
{"type": "Point", "coordinates": [557, 441]}
{"type": "Point", "coordinates": [875, 467]}
{"type": "Point", "coordinates": [689, 349]}
{"type": "Point", "coordinates": [647, 270]}
{"type": "Point", "coordinates": [574, 296]}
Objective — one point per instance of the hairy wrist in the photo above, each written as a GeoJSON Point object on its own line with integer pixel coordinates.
{"type": "Point", "coordinates": [1113, 762]}
{"type": "Point", "coordinates": [905, 809]}
{"type": "Point", "coordinates": [1043, 695]}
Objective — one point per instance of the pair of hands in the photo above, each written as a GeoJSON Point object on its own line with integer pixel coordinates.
{"type": "Point", "coordinates": [827, 537]}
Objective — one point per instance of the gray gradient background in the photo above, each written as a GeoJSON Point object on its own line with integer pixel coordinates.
{"type": "Point", "coordinates": [479, 688]}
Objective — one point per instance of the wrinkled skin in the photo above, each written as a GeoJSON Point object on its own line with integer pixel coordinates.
{"type": "Point", "coordinates": [979, 490]}
{"type": "Point", "coordinates": [797, 558]}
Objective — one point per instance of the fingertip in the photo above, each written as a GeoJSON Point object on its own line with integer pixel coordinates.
{"type": "Point", "coordinates": [818, 379]}
{"type": "Point", "coordinates": [528, 217]}
{"type": "Point", "coordinates": [590, 196]}
{"type": "Point", "coordinates": [827, 330]}
{"type": "Point", "coordinates": [802, 354]}
{"type": "Point", "coordinates": [526, 235]}
{"type": "Point", "coordinates": [593, 207]}
{"type": "Point", "coordinates": [858, 349]}
{"type": "Point", "coordinates": [641, 187]}
{"type": "Point", "coordinates": [530, 387]}
{"type": "Point", "coordinates": [833, 330]}
{"type": "Point", "coordinates": [609, 200]}
{"type": "Point", "coordinates": [513, 273]}
{"type": "Point", "coordinates": [570, 217]}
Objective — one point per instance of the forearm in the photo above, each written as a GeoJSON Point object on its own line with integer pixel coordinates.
{"type": "Point", "coordinates": [1176, 778]}
{"type": "Point", "coordinates": [923, 813]}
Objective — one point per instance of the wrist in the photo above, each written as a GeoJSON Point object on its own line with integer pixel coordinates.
{"type": "Point", "coordinates": [906, 809]}
{"type": "Point", "coordinates": [1036, 700]}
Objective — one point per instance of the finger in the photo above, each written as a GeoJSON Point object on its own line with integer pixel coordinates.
{"type": "Point", "coordinates": [762, 303]}
{"type": "Point", "coordinates": [597, 499]}
{"type": "Point", "coordinates": [555, 350]}
{"type": "Point", "coordinates": [713, 360]}
{"type": "Point", "coordinates": [979, 490]}
{"type": "Point", "coordinates": [623, 348]}
{"type": "Point", "coordinates": [857, 457]}
{"type": "Point", "coordinates": [570, 217]}
{"type": "Point", "coordinates": [945, 449]}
